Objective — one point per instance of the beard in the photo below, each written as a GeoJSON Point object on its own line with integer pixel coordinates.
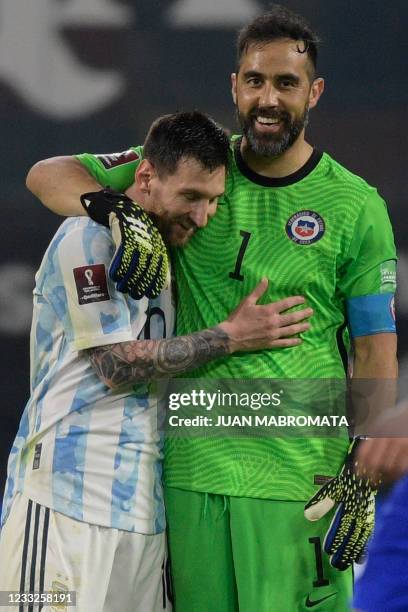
{"type": "Point", "coordinates": [173, 234]}
{"type": "Point", "coordinates": [272, 145]}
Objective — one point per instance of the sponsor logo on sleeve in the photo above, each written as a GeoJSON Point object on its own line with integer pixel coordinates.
{"type": "Point", "coordinates": [112, 160]}
{"type": "Point", "coordinates": [91, 284]}
{"type": "Point", "coordinates": [305, 227]}
{"type": "Point", "coordinates": [388, 270]}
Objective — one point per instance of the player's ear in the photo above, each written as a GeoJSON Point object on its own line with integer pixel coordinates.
{"type": "Point", "coordinates": [316, 91]}
{"type": "Point", "coordinates": [234, 87]}
{"type": "Point", "coordinates": [144, 174]}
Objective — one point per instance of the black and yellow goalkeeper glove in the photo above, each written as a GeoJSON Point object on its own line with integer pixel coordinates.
{"type": "Point", "coordinates": [140, 264]}
{"type": "Point", "coordinates": [353, 522]}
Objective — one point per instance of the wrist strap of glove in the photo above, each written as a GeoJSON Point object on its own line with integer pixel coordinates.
{"type": "Point", "coordinates": [99, 204]}
{"type": "Point", "coordinates": [352, 451]}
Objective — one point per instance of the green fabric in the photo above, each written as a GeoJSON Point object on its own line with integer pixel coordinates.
{"type": "Point", "coordinates": [233, 554]}
{"type": "Point", "coordinates": [349, 260]}
{"type": "Point", "coordinates": [345, 262]}
{"type": "Point", "coordinates": [117, 177]}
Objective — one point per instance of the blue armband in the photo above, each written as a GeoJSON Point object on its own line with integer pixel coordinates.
{"type": "Point", "coordinates": [371, 314]}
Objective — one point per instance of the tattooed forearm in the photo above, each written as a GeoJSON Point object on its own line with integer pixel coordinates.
{"type": "Point", "coordinates": [144, 360]}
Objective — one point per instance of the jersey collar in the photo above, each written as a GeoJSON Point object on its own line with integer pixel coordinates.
{"type": "Point", "coordinates": [283, 181]}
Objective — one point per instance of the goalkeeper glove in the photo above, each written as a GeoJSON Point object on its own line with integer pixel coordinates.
{"type": "Point", "coordinates": [140, 264]}
{"type": "Point", "coordinates": [353, 522]}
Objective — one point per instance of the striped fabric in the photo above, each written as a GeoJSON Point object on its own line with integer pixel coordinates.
{"type": "Point", "coordinates": [34, 551]}
{"type": "Point", "coordinates": [82, 449]}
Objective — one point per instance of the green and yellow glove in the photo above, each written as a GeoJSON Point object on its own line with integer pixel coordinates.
{"type": "Point", "coordinates": [353, 522]}
{"type": "Point", "coordinates": [140, 264]}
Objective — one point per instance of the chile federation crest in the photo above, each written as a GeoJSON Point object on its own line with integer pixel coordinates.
{"type": "Point", "coordinates": [305, 227]}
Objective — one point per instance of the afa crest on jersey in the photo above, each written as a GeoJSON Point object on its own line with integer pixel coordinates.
{"type": "Point", "coordinates": [305, 227]}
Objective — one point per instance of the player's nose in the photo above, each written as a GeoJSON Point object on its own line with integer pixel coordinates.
{"type": "Point", "coordinates": [269, 96]}
{"type": "Point", "coordinates": [200, 214]}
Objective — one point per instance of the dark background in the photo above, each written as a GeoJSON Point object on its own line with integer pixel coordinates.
{"type": "Point", "coordinates": [90, 75]}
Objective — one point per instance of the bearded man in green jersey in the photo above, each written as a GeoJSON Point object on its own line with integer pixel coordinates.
{"type": "Point", "coordinates": [238, 537]}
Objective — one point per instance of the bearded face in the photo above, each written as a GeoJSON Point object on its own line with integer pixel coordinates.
{"type": "Point", "coordinates": [273, 91]}
{"type": "Point", "coordinates": [271, 131]}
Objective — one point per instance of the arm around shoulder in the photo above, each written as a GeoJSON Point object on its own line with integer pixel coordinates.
{"type": "Point", "coordinates": [58, 183]}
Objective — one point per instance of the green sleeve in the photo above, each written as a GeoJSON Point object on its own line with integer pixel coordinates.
{"type": "Point", "coordinates": [369, 267]}
{"type": "Point", "coordinates": [113, 170]}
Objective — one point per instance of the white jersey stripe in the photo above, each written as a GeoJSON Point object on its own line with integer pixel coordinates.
{"type": "Point", "coordinates": [82, 449]}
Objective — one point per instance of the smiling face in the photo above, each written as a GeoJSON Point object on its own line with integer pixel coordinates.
{"type": "Point", "coordinates": [273, 91]}
{"type": "Point", "coordinates": [184, 201]}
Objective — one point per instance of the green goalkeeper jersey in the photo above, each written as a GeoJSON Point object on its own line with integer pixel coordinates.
{"type": "Point", "coordinates": [321, 232]}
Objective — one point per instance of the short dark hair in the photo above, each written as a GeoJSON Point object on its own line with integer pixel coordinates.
{"type": "Point", "coordinates": [279, 22]}
{"type": "Point", "coordinates": [186, 135]}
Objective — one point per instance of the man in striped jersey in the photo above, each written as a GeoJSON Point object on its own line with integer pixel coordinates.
{"type": "Point", "coordinates": [83, 508]}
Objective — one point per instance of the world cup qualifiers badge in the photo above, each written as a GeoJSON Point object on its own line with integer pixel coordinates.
{"type": "Point", "coordinates": [305, 227]}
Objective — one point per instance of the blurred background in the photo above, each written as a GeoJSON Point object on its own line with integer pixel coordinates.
{"type": "Point", "coordinates": [91, 75]}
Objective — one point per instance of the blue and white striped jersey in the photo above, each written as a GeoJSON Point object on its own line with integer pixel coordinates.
{"type": "Point", "coordinates": [82, 449]}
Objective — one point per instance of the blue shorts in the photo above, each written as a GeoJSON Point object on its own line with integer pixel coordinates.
{"type": "Point", "coordinates": [383, 585]}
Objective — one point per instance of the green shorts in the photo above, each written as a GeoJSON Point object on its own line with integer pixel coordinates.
{"type": "Point", "coordinates": [231, 554]}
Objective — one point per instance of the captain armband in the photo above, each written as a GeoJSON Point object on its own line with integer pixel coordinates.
{"type": "Point", "coordinates": [371, 314]}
